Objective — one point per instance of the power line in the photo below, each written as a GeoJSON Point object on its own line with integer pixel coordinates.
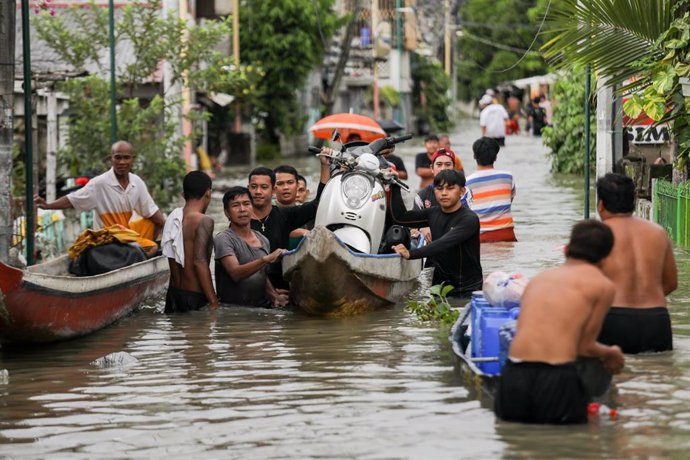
{"type": "Point", "coordinates": [494, 44]}
{"type": "Point", "coordinates": [534, 40]}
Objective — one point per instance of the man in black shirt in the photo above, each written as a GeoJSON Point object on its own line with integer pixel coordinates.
{"type": "Point", "coordinates": [454, 251]}
{"type": "Point", "coordinates": [422, 162]}
{"type": "Point", "coordinates": [276, 223]}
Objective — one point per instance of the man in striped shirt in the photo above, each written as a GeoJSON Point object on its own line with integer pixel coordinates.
{"type": "Point", "coordinates": [492, 192]}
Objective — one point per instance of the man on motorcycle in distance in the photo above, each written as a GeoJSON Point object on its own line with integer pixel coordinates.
{"type": "Point", "coordinates": [454, 250]}
{"type": "Point", "coordinates": [276, 223]}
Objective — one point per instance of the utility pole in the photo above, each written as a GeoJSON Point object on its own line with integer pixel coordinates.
{"type": "Point", "coordinates": [446, 36]}
{"type": "Point", "coordinates": [8, 10]}
{"type": "Point", "coordinates": [186, 92]}
{"type": "Point", "coordinates": [236, 56]}
{"type": "Point", "coordinates": [28, 135]}
{"type": "Point", "coordinates": [113, 87]}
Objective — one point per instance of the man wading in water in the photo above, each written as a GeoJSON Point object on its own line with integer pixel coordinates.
{"type": "Point", "coordinates": [187, 242]}
{"type": "Point", "coordinates": [454, 249]}
{"type": "Point", "coordinates": [560, 317]}
{"type": "Point", "coordinates": [642, 268]}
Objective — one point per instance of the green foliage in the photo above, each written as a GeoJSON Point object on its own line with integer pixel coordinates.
{"type": "Point", "coordinates": [437, 307]}
{"type": "Point", "coordinates": [18, 171]}
{"type": "Point", "coordinates": [493, 44]}
{"type": "Point", "coordinates": [287, 39]}
{"type": "Point", "coordinates": [390, 96]}
{"type": "Point", "coordinates": [659, 94]}
{"type": "Point", "coordinates": [149, 124]}
{"type": "Point", "coordinates": [566, 138]}
{"type": "Point", "coordinates": [430, 79]}
{"type": "Point", "coordinates": [609, 35]}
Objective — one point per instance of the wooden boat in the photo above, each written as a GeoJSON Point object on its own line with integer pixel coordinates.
{"type": "Point", "coordinates": [328, 278]}
{"type": "Point", "coordinates": [44, 303]}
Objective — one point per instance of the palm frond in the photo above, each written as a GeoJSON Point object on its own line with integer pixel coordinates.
{"type": "Point", "coordinates": [610, 35]}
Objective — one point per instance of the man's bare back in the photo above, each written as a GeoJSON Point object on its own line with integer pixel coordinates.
{"type": "Point", "coordinates": [641, 264]}
{"type": "Point", "coordinates": [559, 309]}
{"type": "Point", "coordinates": [186, 277]}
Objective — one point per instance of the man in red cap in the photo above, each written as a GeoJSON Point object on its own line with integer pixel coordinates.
{"type": "Point", "coordinates": [442, 159]}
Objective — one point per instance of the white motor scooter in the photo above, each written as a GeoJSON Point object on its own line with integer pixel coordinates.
{"type": "Point", "coordinates": [353, 203]}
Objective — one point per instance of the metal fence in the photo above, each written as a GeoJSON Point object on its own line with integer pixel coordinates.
{"type": "Point", "coordinates": [672, 210]}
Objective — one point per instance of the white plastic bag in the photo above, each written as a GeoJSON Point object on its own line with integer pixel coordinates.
{"type": "Point", "coordinates": [504, 290]}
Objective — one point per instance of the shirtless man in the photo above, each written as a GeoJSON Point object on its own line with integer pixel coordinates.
{"type": "Point", "coordinates": [561, 314]}
{"type": "Point", "coordinates": [187, 243]}
{"type": "Point", "coordinates": [642, 268]}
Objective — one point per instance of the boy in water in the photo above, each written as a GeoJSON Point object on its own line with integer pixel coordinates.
{"type": "Point", "coordinates": [187, 242]}
{"type": "Point", "coordinates": [493, 191]}
{"type": "Point", "coordinates": [560, 318]}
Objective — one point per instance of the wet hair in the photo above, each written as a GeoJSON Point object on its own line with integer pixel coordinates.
{"type": "Point", "coordinates": [449, 177]}
{"type": "Point", "coordinates": [590, 240]}
{"type": "Point", "coordinates": [263, 171]}
{"type": "Point", "coordinates": [195, 184]}
{"type": "Point", "coordinates": [617, 193]}
{"type": "Point", "coordinates": [286, 169]}
{"type": "Point", "coordinates": [431, 137]}
{"type": "Point", "coordinates": [485, 151]}
{"type": "Point", "coordinates": [234, 192]}
{"type": "Point", "coordinates": [301, 178]}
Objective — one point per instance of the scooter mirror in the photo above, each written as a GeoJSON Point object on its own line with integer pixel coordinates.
{"type": "Point", "coordinates": [335, 136]}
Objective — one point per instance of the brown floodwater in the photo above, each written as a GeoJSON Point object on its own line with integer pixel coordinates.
{"type": "Point", "coordinates": [246, 383]}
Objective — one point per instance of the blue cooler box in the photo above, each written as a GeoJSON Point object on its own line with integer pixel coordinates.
{"type": "Point", "coordinates": [478, 303]}
{"type": "Point", "coordinates": [486, 323]}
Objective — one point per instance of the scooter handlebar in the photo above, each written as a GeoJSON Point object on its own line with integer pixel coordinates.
{"type": "Point", "coordinates": [402, 185]}
{"type": "Point", "coordinates": [313, 149]}
{"type": "Point", "coordinates": [396, 140]}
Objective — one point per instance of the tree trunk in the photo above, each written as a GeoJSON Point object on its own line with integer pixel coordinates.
{"type": "Point", "coordinates": [8, 10]}
{"type": "Point", "coordinates": [329, 99]}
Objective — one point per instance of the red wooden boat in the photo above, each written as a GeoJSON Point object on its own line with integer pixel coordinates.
{"type": "Point", "coordinates": [44, 303]}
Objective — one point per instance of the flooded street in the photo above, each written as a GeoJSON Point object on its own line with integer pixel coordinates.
{"type": "Point", "coordinates": [244, 383]}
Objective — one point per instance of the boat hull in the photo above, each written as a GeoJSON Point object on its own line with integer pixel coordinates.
{"type": "Point", "coordinates": [328, 279]}
{"type": "Point", "coordinates": [482, 384]}
{"type": "Point", "coordinates": [43, 304]}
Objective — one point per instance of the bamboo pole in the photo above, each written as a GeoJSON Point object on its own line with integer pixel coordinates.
{"type": "Point", "coordinates": [7, 31]}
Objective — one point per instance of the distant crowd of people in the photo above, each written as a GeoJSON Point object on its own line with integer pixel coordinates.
{"type": "Point", "coordinates": [497, 120]}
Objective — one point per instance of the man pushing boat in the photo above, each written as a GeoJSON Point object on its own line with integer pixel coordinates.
{"type": "Point", "coordinates": [561, 313]}
{"type": "Point", "coordinates": [117, 196]}
{"type": "Point", "coordinates": [454, 249]}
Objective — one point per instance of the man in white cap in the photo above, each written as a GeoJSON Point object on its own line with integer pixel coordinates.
{"type": "Point", "coordinates": [492, 119]}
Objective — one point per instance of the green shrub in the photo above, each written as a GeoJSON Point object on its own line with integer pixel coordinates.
{"type": "Point", "coordinates": [436, 308]}
{"type": "Point", "coordinates": [566, 138]}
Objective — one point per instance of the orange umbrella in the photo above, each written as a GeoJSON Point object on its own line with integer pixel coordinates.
{"type": "Point", "coordinates": [348, 124]}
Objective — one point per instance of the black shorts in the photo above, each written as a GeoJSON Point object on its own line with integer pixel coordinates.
{"type": "Point", "coordinates": [180, 300]}
{"type": "Point", "coordinates": [532, 392]}
{"type": "Point", "coordinates": [637, 330]}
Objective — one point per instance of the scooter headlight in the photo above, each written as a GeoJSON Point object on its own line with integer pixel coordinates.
{"type": "Point", "coordinates": [356, 190]}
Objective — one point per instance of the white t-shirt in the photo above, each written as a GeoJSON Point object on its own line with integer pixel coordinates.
{"type": "Point", "coordinates": [112, 203]}
{"type": "Point", "coordinates": [494, 117]}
